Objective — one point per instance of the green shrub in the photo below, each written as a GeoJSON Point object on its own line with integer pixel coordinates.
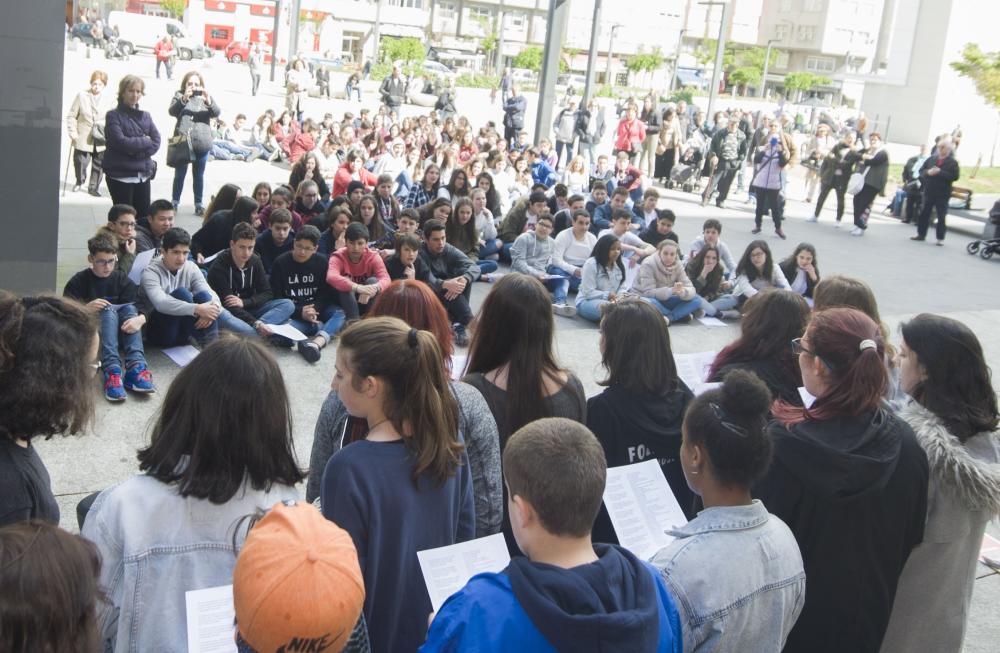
{"type": "Point", "coordinates": [476, 80]}
{"type": "Point", "coordinates": [605, 91]}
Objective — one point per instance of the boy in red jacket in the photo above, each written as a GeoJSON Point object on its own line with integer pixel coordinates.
{"type": "Point", "coordinates": [356, 272]}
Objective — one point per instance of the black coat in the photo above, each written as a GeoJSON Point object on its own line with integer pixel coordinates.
{"type": "Point", "coordinates": [853, 490]}
{"type": "Point", "coordinates": [939, 184]}
{"type": "Point", "coordinates": [513, 112]}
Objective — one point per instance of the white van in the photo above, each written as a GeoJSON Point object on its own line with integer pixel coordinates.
{"type": "Point", "coordinates": [141, 32]}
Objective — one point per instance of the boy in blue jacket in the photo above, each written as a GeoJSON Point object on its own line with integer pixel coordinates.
{"type": "Point", "coordinates": [568, 594]}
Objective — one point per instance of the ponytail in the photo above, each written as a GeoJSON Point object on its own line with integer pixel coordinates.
{"type": "Point", "coordinates": [420, 403]}
{"type": "Point", "coordinates": [852, 349]}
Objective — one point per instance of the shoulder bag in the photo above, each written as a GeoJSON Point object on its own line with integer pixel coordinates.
{"type": "Point", "coordinates": [856, 182]}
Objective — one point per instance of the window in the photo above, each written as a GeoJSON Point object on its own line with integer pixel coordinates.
{"type": "Point", "coordinates": [781, 61]}
{"type": "Point", "coordinates": [806, 32]}
{"type": "Point", "coordinates": [476, 13]}
{"type": "Point", "coordinates": [781, 31]}
{"type": "Point", "coordinates": [409, 4]}
{"type": "Point", "coordinates": [516, 19]}
{"type": "Point", "coordinates": [446, 9]}
{"type": "Point", "coordinates": [820, 64]}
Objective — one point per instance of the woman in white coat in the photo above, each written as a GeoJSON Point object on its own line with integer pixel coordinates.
{"type": "Point", "coordinates": [84, 115]}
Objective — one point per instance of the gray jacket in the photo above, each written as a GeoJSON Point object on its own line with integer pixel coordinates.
{"type": "Point", "coordinates": [482, 444]}
{"type": "Point", "coordinates": [158, 282]}
{"type": "Point", "coordinates": [449, 264]}
{"type": "Point", "coordinates": [737, 577]}
{"type": "Point", "coordinates": [935, 590]}
{"type": "Point", "coordinates": [530, 254]}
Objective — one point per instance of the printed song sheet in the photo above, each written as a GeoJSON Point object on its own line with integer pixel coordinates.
{"type": "Point", "coordinates": [447, 569]}
{"type": "Point", "coordinates": [642, 507]}
{"type": "Point", "coordinates": [210, 616]}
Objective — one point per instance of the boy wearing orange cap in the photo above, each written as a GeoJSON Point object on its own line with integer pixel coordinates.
{"type": "Point", "coordinates": [297, 585]}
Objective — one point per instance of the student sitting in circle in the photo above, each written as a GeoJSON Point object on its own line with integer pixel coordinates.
{"type": "Point", "coordinates": [662, 282]}
{"type": "Point", "coordinates": [706, 274]}
{"type": "Point", "coordinates": [757, 271]}
{"type": "Point", "coordinates": [801, 269]}
{"type": "Point", "coordinates": [602, 279]}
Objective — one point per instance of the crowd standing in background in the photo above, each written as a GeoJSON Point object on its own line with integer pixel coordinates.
{"type": "Point", "coordinates": [850, 522]}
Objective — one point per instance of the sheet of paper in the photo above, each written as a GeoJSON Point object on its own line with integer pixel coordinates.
{"type": "Point", "coordinates": [712, 321]}
{"type": "Point", "coordinates": [288, 331]}
{"type": "Point", "coordinates": [447, 569]}
{"type": "Point", "coordinates": [210, 617]}
{"type": "Point", "coordinates": [458, 362]}
{"type": "Point", "coordinates": [693, 368]}
{"type": "Point", "coordinates": [989, 552]}
{"type": "Point", "coordinates": [642, 507]}
{"type": "Point", "coordinates": [208, 259]}
{"type": "Point", "coordinates": [807, 399]}
{"type": "Point", "coordinates": [181, 355]}
{"type": "Point", "coordinates": [140, 263]}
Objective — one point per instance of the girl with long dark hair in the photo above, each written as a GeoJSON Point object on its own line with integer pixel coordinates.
{"type": "Point", "coordinates": [706, 274]}
{"type": "Point", "coordinates": [757, 271]}
{"type": "Point", "coordinates": [602, 278]}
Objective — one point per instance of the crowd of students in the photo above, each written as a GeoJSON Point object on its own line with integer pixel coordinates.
{"type": "Point", "coordinates": [837, 485]}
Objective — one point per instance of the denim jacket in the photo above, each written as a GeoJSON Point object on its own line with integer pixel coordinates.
{"type": "Point", "coordinates": [156, 545]}
{"type": "Point", "coordinates": [737, 576]}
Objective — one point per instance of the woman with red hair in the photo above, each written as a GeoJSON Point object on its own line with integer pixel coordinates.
{"type": "Point", "coordinates": [850, 480]}
{"type": "Point", "coordinates": [417, 305]}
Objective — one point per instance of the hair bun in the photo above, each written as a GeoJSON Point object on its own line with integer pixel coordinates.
{"type": "Point", "coordinates": [744, 394]}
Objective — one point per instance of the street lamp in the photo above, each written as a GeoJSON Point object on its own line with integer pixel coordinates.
{"type": "Point", "coordinates": [611, 47]}
{"type": "Point", "coordinates": [720, 48]}
{"type": "Point", "coordinates": [767, 61]}
{"type": "Point", "coordinates": [677, 60]}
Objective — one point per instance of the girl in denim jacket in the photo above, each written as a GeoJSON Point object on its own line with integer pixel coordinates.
{"type": "Point", "coordinates": [735, 570]}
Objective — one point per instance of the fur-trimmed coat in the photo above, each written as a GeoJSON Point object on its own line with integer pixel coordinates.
{"type": "Point", "coordinates": [935, 590]}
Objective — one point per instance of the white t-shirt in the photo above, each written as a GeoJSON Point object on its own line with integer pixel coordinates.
{"type": "Point", "coordinates": [570, 252]}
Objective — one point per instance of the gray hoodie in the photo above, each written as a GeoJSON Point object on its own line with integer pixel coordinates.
{"type": "Point", "coordinates": [158, 283]}
{"type": "Point", "coordinates": [530, 254]}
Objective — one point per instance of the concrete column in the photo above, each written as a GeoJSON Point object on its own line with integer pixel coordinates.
{"type": "Point", "coordinates": [31, 65]}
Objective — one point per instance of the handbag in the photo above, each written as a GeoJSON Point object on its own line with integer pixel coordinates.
{"type": "Point", "coordinates": [856, 182]}
{"type": "Point", "coordinates": [97, 135]}
{"type": "Point", "coordinates": [179, 150]}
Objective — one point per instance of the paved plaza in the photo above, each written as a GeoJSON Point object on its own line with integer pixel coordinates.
{"type": "Point", "coordinates": [907, 277]}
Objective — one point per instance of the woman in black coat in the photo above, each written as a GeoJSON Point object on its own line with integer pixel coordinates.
{"type": "Point", "coordinates": [875, 167]}
{"type": "Point", "coordinates": [132, 140]}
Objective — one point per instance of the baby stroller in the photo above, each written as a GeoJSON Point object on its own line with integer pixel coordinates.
{"type": "Point", "coordinates": [987, 247]}
{"type": "Point", "coordinates": [685, 173]}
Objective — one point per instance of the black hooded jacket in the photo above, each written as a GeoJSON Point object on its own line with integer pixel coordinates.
{"type": "Point", "coordinates": [854, 492]}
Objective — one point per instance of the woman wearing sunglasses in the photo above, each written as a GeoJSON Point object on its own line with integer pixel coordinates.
{"type": "Point", "coordinates": [850, 480]}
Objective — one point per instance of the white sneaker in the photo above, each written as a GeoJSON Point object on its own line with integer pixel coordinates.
{"type": "Point", "coordinates": [812, 218]}
{"type": "Point", "coordinates": [564, 309]}
{"type": "Point", "coordinates": [857, 231]}
{"type": "Point", "coordinates": [836, 225]}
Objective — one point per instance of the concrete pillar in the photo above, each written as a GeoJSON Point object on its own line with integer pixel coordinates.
{"type": "Point", "coordinates": [31, 65]}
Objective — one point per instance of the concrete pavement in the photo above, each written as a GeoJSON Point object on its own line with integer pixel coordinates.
{"type": "Point", "coordinates": [907, 277]}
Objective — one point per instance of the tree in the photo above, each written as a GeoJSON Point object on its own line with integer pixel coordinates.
{"type": "Point", "coordinates": [529, 58]}
{"type": "Point", "coordinates": [745, 76]}
{"type": "Point", "coordinates": [748, 66]}
{"type": "Point", "coordinates": [407, 49]}
{"type": "Point", "coordinates": [645, 62]}
{"type": "Point", "coordinates": [804, 81]}
{"type": "Point", "coordinates": [488, 44]}
{"type": "Point", "coordinates": [983, 68]}
{"type": "Point", "coordinates": [174, 7]}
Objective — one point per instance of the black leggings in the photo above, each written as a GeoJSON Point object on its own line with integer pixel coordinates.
{"type": "Point", "coordinates": [862, 202]}
{"type": "Point", "coordinates": [823, 192]}
{"type": "Point", "coordinates": [135, 195]}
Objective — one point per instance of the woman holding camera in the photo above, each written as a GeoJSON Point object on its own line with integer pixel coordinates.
{"type": "Point", "coordinates": [194, 109]}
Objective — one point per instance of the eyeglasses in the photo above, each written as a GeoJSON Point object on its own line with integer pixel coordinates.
{"type": "Point", "coordinates": [105, 262]}
{"type": "Point", "coordinates": [721, 416]}
{"type": "Point", "coordinates": [127, 225]}
{"type": "Point", "coordinates": [797, 348]}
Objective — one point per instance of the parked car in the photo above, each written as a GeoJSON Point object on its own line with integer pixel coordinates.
{"type": "Point", "coordinates": [433, 68]}
{"type": "Point", "coordinates": [525, 79]}
{"type": "Point", "coordinates": [142, 31]}
{"type": "Point", "coordinates": [239, 51]}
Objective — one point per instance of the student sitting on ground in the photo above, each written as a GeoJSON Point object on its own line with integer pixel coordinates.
{"type": "Point", "coordinates": [380, 234]}
{"type": "Point", "coordinates": [602, 279]}
{"type": "Point", "coordinates": [757, 271]}
{"type": "Point", "coordinates": [645, 211]}
{"type": "Point", "coordinates": [634, 249]}
{"type": "Point", "coordinates": [452, 274]}
{"type": "Point", "coordinates": [462, 233]}
{"type": "Point", "coordinates": [604, 215]}
{"type": "Point", "coordinates": [572, 248]}
{"type": "Point", "coordinates": [568, 594]}
{"type": "Point", "coordinates": [217, 454]}
{"type": "Point", "coordinates": [770, 322]}
{"type": "Point", "coordinates": [563, 218]}
{"type": "Point", "coordinates": [297, 585]}
{"type": "Point", "coordinates": [175, 297]}
{"type": "Point", "coordinates": [387, 207]}
{"type": "Point", "coordinates": [639, 414]}
{"type": "Point", "coordinates": [520, 219]}
{"type": "Point", "coordinates": [150, 229]}
{"type": "Point", "coordinates": [333, 238]}
{"type": "Point", "coordinates": [122, 226]}
{"type": "Point", "coordinates": [406, 487]}
{"type": "Point", "coordinates": [711, 233]}
{"type": "Point", "coordinates": [214, 235]}
{"type": "Point", "coordinates": [801, 270]}
{"type": "Point", "coordinates": [111, 295]}
{"type": "Point", "coordinates": [308, 202]}
{"type": "Point", "coordinates": [726, 449]}
{"type": "Point", "coordinates": [281, 198]}
{"type": "Point", "coordinates": [238, 277]}
{"type": "Point", "coordinates": [300, 276]}
{"type": "Point", "coordinates": [662, 282]}
{"type": "Point", "coordinates": [277, 240]}
{"type": "Point", "coordinates": [598, 199]}
{"type": "Point", "coordinates": [660, 229]}
{"type": "Point", "coordinates": [714, 291]}
{"type": "Point", "coordinates": [532, 255]}
{"type": "Point", "coordinates": [356, 273]}
{"type": "Point", "coordinates": [405, 263]}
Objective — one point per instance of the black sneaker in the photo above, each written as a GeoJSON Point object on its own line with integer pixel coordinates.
{"type": "Point", "coordinates": [461, 336]}
{"type": "Point", "coordinates": [309, 350]}
{"type": "Point", "coordinates": [199, 211]}
{"type": "Point", "coordinates": [755, 230]}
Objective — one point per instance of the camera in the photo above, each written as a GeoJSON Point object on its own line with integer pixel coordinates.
{"type": "Point", "coordinates": [199, 92]}
{"type": "Point", "coordinates": [774, 141]}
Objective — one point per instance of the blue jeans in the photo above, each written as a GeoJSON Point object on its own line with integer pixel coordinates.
{"type": "Point", "coordinates": [634, 195]}
{"type": "Point", "coordinates": [112, 336]}
{"type": "Point", "coordinates": [224, 151]}
{"type": "Point", "coordinates": [276, 311]}
{"type": "Point", "coordinates": [491, 248]}
{"type": "Point", "coordinates": [590, 309]}
{"type": "Point", "coordinates": [574, 281]}
{"type": "Point", "coordinates": [505, 252]}
{"type": "Point", "coordinates": [675, 308]}
{"type": "Point", "coordinates": [404, 182]}
{"type": "Point", "coordinates": [560, 146]}
{"type": "Point", "coordinates": [348, 89]}
{"type": "Point", "coordinates": [198, 165]}
{"type": "Point", "coordinates": [558, 288]}
{"type": "Point", "coordinates": [331, 321]}
{"type": "Point", "coordinates": [723, 303]}
{"type": "Point", "coordinates": [173, 330]}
